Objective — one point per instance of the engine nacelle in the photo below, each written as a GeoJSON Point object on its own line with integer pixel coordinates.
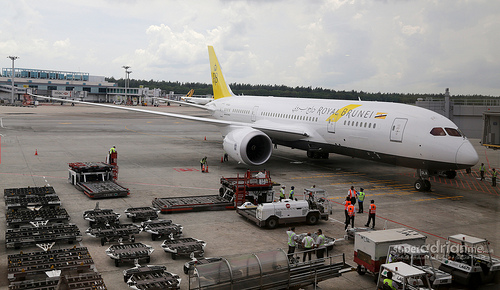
{"type": "Point", "coordinates": [248, 145]}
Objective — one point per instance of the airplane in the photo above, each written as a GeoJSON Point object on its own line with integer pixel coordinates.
{"type": "Point", "coordinates": [195, 100]}
{"type": "Point", "coordinates": [391, 133]}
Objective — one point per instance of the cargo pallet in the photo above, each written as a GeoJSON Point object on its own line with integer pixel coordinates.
{"type": "Point", "coordinates": [142, 213]}
{"type": "Point", "coordinates": [70, 281]}
{"type": "Point", "coordinates": [162, 228]}
{"type": "Point", "coordinates": [16, 218]}
{"type": "Point", "coordinates": [24, 265]}
{"type": "Point", "coordinates": [151, 277]}
{"type": "Point", "coordinates": [28, 236]}
{"type": "Point", "coordinates": [96, 179]}
{"type": "Point", "coordinates": [192, 203]}
{"type": "Point", "coordinates": [32, 201]}
{"type": "Point", "coordinates": [24, 191]}
{"type": "Point", "coordinates": [234, 191]}
{"type": "Point", "coordinates": [99, 216]}
{"type": "Point", "coordinates": [184, 247]}
{"type": "Point", "coordinates": [130, 253]}
{"type": "Point", "coordinates": [117, 232]}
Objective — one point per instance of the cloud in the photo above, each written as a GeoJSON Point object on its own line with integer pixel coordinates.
{"type": "Point", "coordinates": [388, 46]}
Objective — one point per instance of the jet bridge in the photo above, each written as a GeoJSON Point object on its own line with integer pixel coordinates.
{"type": "Point", "coordinates": [491, 130]}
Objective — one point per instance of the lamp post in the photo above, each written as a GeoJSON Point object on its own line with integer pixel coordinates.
{"type": "Point", "coordinates": [13, 58]}
{"type": "Point", "coordinates": [126, 67]}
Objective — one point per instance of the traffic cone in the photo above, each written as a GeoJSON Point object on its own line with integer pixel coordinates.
{"type": "Point", "coordinates": [205, 138]}
{"type": "Point", "coordinates": [222, 159]}
{"type": "Point", "coordinates": [206, 169]}
{"type": "Point", "coordinates": [36, 152]}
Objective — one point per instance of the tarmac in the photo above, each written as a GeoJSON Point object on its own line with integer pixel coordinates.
{"type": "Point", "coordinates": [160, 157]}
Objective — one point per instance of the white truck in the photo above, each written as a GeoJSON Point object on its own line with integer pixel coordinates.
{"type": "Point", "coordinates": [403, 277]}
{"type": "Point", "coordinates": [469, 261]}
{"type": "Point", "coordinates": [370, 248]}
{"type": "Point", "coordinates": [419, 258]}
{"type": "Point", "coordinates": [286, 211]}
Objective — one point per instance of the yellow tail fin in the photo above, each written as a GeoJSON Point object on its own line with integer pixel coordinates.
{"type": "Point", "coordinates": [190, 93]}
{"type": "Point", "coordinates": [221, 89]}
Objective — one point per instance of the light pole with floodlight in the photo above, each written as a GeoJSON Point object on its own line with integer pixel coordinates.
{"type": "Point", "coordinates": [13, 58]}
{"type": "Point", "coordinates": [126, 67]}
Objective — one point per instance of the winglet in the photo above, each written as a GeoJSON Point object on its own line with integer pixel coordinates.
{"type": "Point", "coordinates": [221, 89]}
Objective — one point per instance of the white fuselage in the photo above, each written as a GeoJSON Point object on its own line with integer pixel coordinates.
{"type": "Point", "coordinates": [393, 133]}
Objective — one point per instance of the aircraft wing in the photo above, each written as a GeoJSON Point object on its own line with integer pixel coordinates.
{"type": "Point", "coordinates": [293, 133]}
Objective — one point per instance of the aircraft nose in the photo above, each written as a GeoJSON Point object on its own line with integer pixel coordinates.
{"type": "Point", "coordinates": [466, 155]}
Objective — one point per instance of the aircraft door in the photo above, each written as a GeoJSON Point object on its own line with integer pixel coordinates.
{"type": "Point", "coordinates": [331, 126]}
{"type": "Point", "coordinates": [397, 129]}
{"type": "Point", "coordinates": [254, 113]}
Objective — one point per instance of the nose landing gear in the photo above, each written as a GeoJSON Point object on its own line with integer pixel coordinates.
{"type": "Point", "coordinates": [423, 183]}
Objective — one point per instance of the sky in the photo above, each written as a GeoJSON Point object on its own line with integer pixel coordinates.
{"type": "Point", "coordinates": [402, 46]}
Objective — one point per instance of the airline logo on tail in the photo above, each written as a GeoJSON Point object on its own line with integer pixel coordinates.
{"type": "Point", "coordinates": [221, 90]}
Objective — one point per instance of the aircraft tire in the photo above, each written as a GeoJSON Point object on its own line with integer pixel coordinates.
{"type": "Point", "coordinates": [419, 185]}
{"type": "Point", "coordinates": [428, 185]}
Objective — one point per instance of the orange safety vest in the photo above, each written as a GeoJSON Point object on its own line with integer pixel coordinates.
{"type": "Point", "coordinates": [350, 210]}
{"type": "Point", "coordinates": [373, 207]}
{"type": "Point", "coordinates": [352, 193]}
{"type": "Point", "coordinates": [347, 204]}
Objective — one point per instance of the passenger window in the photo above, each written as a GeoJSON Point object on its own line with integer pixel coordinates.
{"type": "Point", "coordinates": [453, 132]}
{"type": "Point", "coordinates": [438, 131]}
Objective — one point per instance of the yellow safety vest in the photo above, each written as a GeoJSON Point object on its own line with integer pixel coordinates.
{"type": "Point", "coordinates": [291, 238]}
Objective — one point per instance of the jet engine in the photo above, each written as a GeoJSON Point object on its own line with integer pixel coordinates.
{"type": "Point", "coordinates": [248, 145]}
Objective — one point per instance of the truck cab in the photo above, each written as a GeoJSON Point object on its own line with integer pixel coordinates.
{"type": "Point", "coordinates": [404, 277]}
{"type": "Point", "coordinates": [421, 259]}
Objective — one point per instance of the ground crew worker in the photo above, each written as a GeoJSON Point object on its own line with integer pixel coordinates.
{"type": "Point", "coordinates": [307, 243]}
{"type": "Point", "coordinates": [388, 281]}
{"type": "Point", "coordinates": [352, 195]}
{"type": "Point", "coordinates": [320, 244]}
{"type": "Point", "coordinates": [351, 211]}
{"type": "Point", "coordinates": [371, 214]}
{"type": "Point", "coordinates": [292, 240]}
{"type": "Point", "coordinates": [203, 162]}
{"type": "Point", "coordinates": [346, 203]}
{"type": "Point", "coordinates": [226, 157]}
{"type": "Point", "coordinates": [494, 177]}
{"type": "Point", "coordinates": [481, 171]}
{"type": "Point", "coordinates": [361, 198]}
{"type": "Point", "coordinates": [282, 192]}
{"type": "Point", "coordinates": [292, 192]}
{"type": "Point", "coordinates": [111, 151]}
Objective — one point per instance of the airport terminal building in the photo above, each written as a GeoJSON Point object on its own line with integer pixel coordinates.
{"type": "Point", "coordinates": [65, 84]}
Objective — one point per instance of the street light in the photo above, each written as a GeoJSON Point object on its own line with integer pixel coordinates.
{"type": "Point", "coordinates": [13, 58]}
{"type": "Point", "coordinates": [126, 67]}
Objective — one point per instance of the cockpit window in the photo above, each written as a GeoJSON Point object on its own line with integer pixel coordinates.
{"type": "Point", "coordinates": [438, 131]}
{"type": "Point", "coordinates": [453, 132]}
